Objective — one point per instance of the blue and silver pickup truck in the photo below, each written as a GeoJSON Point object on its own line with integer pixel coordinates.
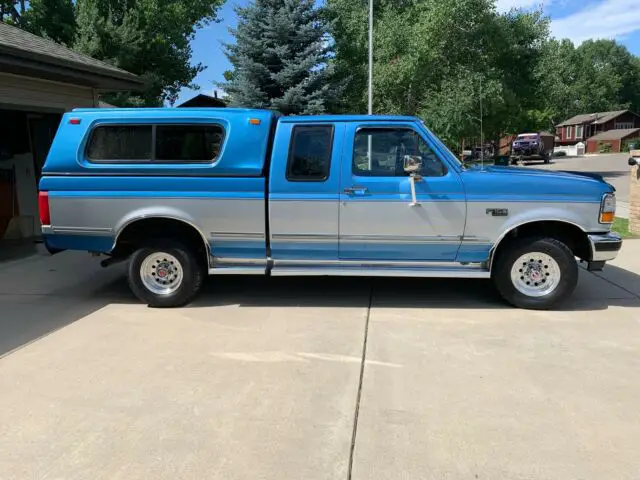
{"type": "Point", "coordinates": [182, 193]}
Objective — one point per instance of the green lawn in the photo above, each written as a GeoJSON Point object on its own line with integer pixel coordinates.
{"type": "Point", "coordinates": [621, 226]}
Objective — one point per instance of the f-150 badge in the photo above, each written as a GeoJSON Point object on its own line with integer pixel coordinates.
{"type": "Point", "coordinates": [498, 212]}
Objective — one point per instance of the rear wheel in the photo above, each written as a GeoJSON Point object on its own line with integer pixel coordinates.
{"type": "Point", "coordinates": [165, 274]}
{"type": "Point", "coordinates": [536, 273]}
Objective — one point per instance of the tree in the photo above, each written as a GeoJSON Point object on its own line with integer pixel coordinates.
{"type": "Point", "coordinates": [437, 59]}
{"type": "Point", "coordinates": [280, 58]}
{"type": "Point", "coordinates": [150, 38]}
{"type": "Point", "coordinates": [596, 76]}
{"type": "Point", "coordinates": [54, 19]}
{"type": "Point", "coordinates": [11, 11]}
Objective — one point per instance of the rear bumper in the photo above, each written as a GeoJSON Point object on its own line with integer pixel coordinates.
{"type": "Point", "coordinates": [604, 246]}
{"type": "Point", "coordinates": [44, 248]}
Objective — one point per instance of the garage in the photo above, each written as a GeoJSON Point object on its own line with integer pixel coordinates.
{"type": "Point", "coordinates": [39, 81]}
{"type": "Point", "coordinates": [611, 141]}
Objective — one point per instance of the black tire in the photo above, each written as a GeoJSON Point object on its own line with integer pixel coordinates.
{"type": "Point", "coordinates": [193, 273]}
{"type": "Point", "coordinates": [568, 268]}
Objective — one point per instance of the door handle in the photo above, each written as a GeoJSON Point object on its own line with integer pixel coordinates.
{"type": "Point", "coordinates": [356, 190]}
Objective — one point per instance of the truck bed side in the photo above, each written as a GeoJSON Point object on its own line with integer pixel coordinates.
{"type": "Point", "coordinates": [92, 204]}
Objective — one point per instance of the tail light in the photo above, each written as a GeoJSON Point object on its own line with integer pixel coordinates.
{"type": "Point", "coordinates": [43, 206]}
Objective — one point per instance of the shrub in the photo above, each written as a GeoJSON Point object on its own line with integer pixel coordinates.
{"type": "Point", "coordinates": [630, 144]}
{"type": "Point", "coordinates": [604, 147]}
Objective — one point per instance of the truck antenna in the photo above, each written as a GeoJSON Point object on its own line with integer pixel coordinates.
{"type": "Point", "coordinates": [481, 132]}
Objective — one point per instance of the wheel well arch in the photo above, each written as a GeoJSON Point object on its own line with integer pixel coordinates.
{"type": "Point", "coordinates": [568, 233]}
{"type": "Point", "coordinates": [137, 231]}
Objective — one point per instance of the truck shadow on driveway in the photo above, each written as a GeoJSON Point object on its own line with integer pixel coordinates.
{"type": "Point", "coordinates": [25, 318]}
{"type": "Point", "coordinates": [592, 293]}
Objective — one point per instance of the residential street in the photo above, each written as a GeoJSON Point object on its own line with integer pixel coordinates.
{"type": "Point", "coordinates": [261, 378]}
{"type": "Point", "coordinates": [613, 167]}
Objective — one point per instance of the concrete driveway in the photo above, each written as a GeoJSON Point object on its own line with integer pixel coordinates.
{"type": "Point", "coordinates": [314, 378]}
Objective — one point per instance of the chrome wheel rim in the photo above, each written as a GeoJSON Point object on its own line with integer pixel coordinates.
{"type": "Point", "coordinates": [535, 274]}
{"type": "Point", "coordinates": [161, 273]}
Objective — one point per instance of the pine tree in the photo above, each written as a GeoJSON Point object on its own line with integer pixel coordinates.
{"type": "Point", "coordinates": [281, 58]}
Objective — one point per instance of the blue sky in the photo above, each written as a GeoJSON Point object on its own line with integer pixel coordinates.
{"type": "Point", "coordinates": [577, 20]}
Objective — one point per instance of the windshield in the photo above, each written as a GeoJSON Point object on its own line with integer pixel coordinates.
{"type": "Point", "coordinates": [527, 137]}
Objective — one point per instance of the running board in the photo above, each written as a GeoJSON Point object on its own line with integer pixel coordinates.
{"type": "Point", "coordinates": [453, 271]}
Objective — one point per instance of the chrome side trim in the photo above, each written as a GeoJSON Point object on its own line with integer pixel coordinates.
{"type": "Point", "coordinates": [451, 272]}
{"type": "Point", "coordinates": [238, 262]}
{"type": "Point", "coordinates": [309, 237]}
{"type": "Point", "coordinates": [79, 230]}
{"type": "Point", "coordinates": [471, 239]}
{"type": "Point", "coordinates": [373, 263]}
{"type": "Point", "coordinates": [237, 236]}
{"type": "Point", "coordinates": [238, 270]}
{"type": "Point", "coordinates": [611, 240]}
{"type": "Point", "coordinates": [305, 237]}
{"type": "Point", "coordinates": [401, 238]}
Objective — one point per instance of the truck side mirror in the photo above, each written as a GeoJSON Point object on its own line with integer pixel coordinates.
{"type": "Point", "coordinates": [633, 162]}
{"type": "Point", "coordinates": [412, 164]}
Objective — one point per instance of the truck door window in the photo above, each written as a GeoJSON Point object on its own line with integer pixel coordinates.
{"type": "Point", "coordinates": [120, 143]}
{"type": "Point", "coordinates": [310, 153]}
{"type": "Point", "coordinates": [384, 152]}
{"type": "Point", "coordinates": [188, 143]}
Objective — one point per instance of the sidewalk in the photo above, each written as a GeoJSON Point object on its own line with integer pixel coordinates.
{"type": "Point", "coordinates": [622, 209]}
{"type": "Point", "coordinates": [624, 271]}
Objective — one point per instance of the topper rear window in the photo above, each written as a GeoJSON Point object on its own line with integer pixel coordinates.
{"type": "Point", "coordinates": [182, 143]}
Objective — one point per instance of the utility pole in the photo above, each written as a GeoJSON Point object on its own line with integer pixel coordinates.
{"type": "Point", "coordinates": [481, 130]}
{"type": "Point", "coordinates": [370, 57]}
{"type": "Point", "coordinates": [370, 106]}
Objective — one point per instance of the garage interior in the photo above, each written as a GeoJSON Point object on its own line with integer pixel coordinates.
{"type": "Point", "coordinates": [39, 81]}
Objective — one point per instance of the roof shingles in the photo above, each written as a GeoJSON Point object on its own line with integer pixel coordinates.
{"type": "Point", "coordinates": [618, 134]}
{"type": "Point", "coordinates": [598, 118]}
{"type": "Point", "coordinates": [19, 40]}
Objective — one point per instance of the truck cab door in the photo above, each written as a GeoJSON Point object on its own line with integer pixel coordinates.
{"type": "Point", "coordinates": [304, 192]}
{"type": "Point", "coordinates": [379, 219]}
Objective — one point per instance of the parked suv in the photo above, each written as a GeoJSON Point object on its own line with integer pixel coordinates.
{"type": "Point", "coordinates": [529, 146]}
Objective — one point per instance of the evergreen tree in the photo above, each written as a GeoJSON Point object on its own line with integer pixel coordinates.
{"type": "Point", "coordinates": [54, 19]}
{"type": "Point", "coordinates": [281, 58]}
{"type": "Point", "coordinates": [151, 38]}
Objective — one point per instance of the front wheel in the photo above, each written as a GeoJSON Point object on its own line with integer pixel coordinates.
{"type": "Point", "coordinates": [536, 273]}
{"type": "Point", "coordinates": [165, 274]}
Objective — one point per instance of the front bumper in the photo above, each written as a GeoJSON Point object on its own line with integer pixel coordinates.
{"type": "Point", "coordinates": [604, 246]}
{"type": "Point", "coordinates": [525, 152]}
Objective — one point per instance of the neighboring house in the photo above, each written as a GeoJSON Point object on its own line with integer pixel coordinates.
{"type": "Point", "coordinates": [582, 127]}
{"type": "Point", "coordinates": [202, 100]}
{"type": "Point", "coordinates": [39, 81]}
{"type": "Point", "coordinates": [611, 140]}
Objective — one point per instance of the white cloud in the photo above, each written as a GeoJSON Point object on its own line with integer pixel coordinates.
{"type": "Point", "coordinates": [606, 19]}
